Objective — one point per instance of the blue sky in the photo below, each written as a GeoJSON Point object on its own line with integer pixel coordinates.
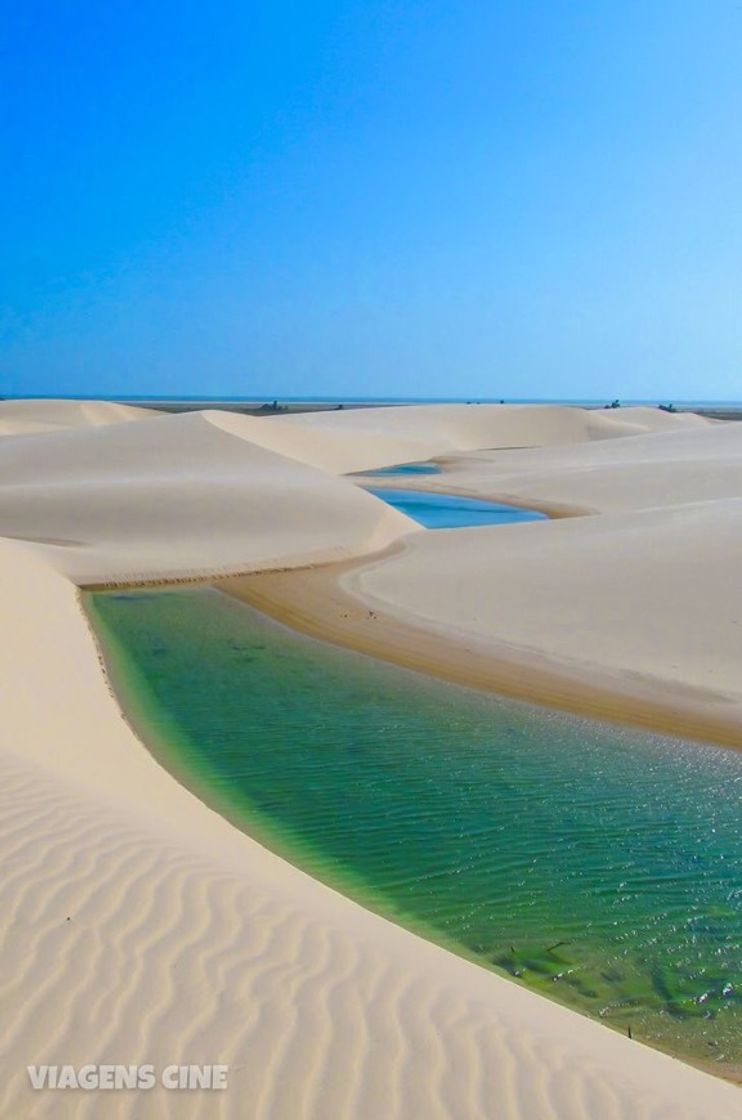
{"type": "Point", "coordinates": [463, 198]}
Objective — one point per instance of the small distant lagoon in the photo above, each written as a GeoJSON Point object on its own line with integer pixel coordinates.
{"type": "Point", "coordinates": [449, 511]}
{"type": "Point", "coordinates": [402, 469]}
{"type": "Point", "coordinates": [598, 865]}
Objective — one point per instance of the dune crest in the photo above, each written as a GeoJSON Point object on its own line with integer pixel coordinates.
{"type": "Point", "coordinates": [177, 497]}
{"type": "Point", "coordinates": [22, 417]}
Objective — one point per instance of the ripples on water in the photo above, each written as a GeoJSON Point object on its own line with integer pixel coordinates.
{"type": "Point", "coordinates": [599, 865]}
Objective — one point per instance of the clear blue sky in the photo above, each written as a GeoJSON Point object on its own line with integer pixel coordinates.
{"type": "Point", "coordinates": [367, 198]}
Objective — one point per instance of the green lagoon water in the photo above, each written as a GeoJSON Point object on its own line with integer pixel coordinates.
{"type": "Point", "coordinates": [601, 866]}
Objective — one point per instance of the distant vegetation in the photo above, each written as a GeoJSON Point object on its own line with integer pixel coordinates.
{"type": "Point", "coordinates": [273, 406]}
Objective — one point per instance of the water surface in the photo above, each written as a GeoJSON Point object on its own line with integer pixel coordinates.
{"type": "Point", "coordinates": [422, 468]}
{"type": "Point", "coordinates": [448, 511]}
{"type": "Point", "coordinates": [599, 865]}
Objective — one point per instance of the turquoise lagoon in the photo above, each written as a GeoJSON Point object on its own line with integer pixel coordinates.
{"type": "Point", "coordinates": [597, 865]}
{"type": "Point", "coordinates": [403, 469]}
{"type": "Point", "coordinates": [449, 511]}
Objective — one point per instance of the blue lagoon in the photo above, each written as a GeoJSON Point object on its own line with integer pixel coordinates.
{"type": "Point", "coordinates": [449, 511]}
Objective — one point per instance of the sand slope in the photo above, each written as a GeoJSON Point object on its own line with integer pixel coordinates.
{"type": "Point", "coordinates": [647, 599]}
{"type": "Point", "coordinates": [643, 598]}
{"type": "Point", "coordinates": [342, 442]}
{"type": "Point", "coordinates": [173, 496]}
{"type": "Point", "coordinates": [646, 594]}
{"type": "Point", "coordinates": [670, 468]}
{"type": "Point", "coordinates": [178, 496]}
{"type": "Point", "coordinates": [23, 416]}
{"type": "Point", "coordinates": [375, 437]}
{"type": "Point", "coordinates": [187, 942]}
{"type": "Point", "coordinates": [361, 439]}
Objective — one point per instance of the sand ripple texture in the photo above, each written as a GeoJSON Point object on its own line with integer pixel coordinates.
{"type": "Point", "coordinates": [126, 946]}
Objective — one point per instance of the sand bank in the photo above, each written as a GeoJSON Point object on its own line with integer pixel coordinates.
{"type": "Point", "coordinates": [177, 496]}
{"type": "Point", "coordinates": [642, 599]}
{"type": "Point", "coordinates": [333, 603]}
{"type": "Point", "coordinates": [671, 468]}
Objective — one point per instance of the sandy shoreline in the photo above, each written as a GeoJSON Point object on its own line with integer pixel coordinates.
{"type": "Point", "coordinates": [318, 602]}
{"type": "Point", "coordinates": [443, 484]}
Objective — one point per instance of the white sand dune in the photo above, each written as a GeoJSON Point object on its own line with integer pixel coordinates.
{"type": "Point", "coordinates": [24, 416]}
{"type": "Point", "coordinates": [141, 927]}
{"type": "Point", "coordinates": [346, 441]}
{"type": "Point", "coordinates": [644, 598]}
{"type": "Point", "coordinates": [214, 492]}
{"type": "Point", "coordinates": [188, 942]}
{"type": "Point", "coordinates": [649, 598]}
{"type": "Point", "coordinates": [374, 437]}
{"type": "Point", "coordinates": [197, 493]}
{"type": "Point", "coordinates": [649, 470]}
{"type": "Point", "coordinates": [178, 496]}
